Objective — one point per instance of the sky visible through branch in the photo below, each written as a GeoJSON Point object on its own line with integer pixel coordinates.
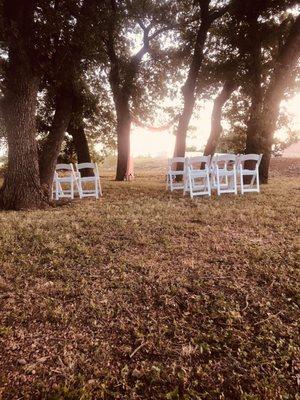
{"type": "Point", "coordinates": [146, 143]}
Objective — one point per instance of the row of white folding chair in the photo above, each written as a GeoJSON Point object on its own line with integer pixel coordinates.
{"type": "Point", "coordinates": [227, 168]}
{"type": "Point", "coordinates": [65, 175]}
{"type": "Point", "coordinates": [223, 169]}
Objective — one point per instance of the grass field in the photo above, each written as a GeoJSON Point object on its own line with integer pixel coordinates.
{"type": "Point", "coordinates": [148, 295]}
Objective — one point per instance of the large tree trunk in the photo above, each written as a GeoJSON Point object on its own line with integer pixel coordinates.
{"type": "Point", "coordinates": [121, 95]}
{"type": "Point", "coordinates": [266, 120]}
{"type": "Point", "coordinates": [216, 127]}
{"type": "Point", "coordinates": [21, 188]}
{"type": "Point", "coordinates": [52, 145]}
{"type": "Point", "coordinates": [253, 141]}
{"type": "Point", "coordinates": [189, 88]}
{"type": "Point", "coordinates": [123, 138]}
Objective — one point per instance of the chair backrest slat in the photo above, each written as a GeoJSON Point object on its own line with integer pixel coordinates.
{"type": "Point", "coordinates": [89, 165]}
{"type": "Point", "coordinates": [198, 162]}
{"type": "Point", "coordinates": [64, 167]}
{"type": "Point", "coordinates": [177, 160]}
{"type": "Point", "coordinates": [225, 157]}
{"type": "Point", "coordinates": [93, 167]}
{"type": "Point", "coordinates": [224, 161]}
{"type": "Point", "coordinates": [250, 157]}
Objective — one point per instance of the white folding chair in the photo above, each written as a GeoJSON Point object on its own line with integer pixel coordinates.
{"type": "Point", "coordinates": [224, 173]}
{"type": "Point", "coordinates": [253, 161]}
{"type": "Point", "coordinates": [198, 181]}
{"type": "Point", "coordinates": [89, 186]}
{"type": "Point", "coordinates": [64, 182]}
{"type": "Point", "coordinates": [172, 173]}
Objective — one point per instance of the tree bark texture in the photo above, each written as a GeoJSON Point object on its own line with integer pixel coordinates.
{"type": "Point", "coordinates": [123, 136]}
{"type": "Point", "coordinates": [21, 188]}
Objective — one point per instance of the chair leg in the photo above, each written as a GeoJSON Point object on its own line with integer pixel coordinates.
{"type": "Point", "coordinates": [208, 184]}
{"type": "Point", "coordinates": [191, 187]}
{"type": "Point", "coordinates": [80, 188]}
{"type": "Point", "coordinates": [78, 185]}
{"type": "Point", "coordinates": [72, 190]}
{"type": "Point", "coordinates": [257, 180]}
{"type": "Point", "coordinates": [235, 182]}
{"type": "Point", "coordinates": [218, 184]}
{"type": "Point", "coordinates": [252, 180]}
{"type": "Point", "coordinates": [56, 191]}
{"type": "Point", "coordinates": [100, 189]}
{"type": "Point", "coordinates": [242, 183]}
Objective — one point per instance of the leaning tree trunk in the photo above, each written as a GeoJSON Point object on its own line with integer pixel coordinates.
{"type": "Point", "coordinates": [52, 145]}
{"type": "Point", "coordinates": [123, 140]}
{"type": "Point", "coordinates": [184, 120]}
{"type": "Point", "coordinates": [189, 91]}
{"type": "Point", "coordinates": [216, 127]}
{"type": "Point", "coordinates": [21, 188]}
